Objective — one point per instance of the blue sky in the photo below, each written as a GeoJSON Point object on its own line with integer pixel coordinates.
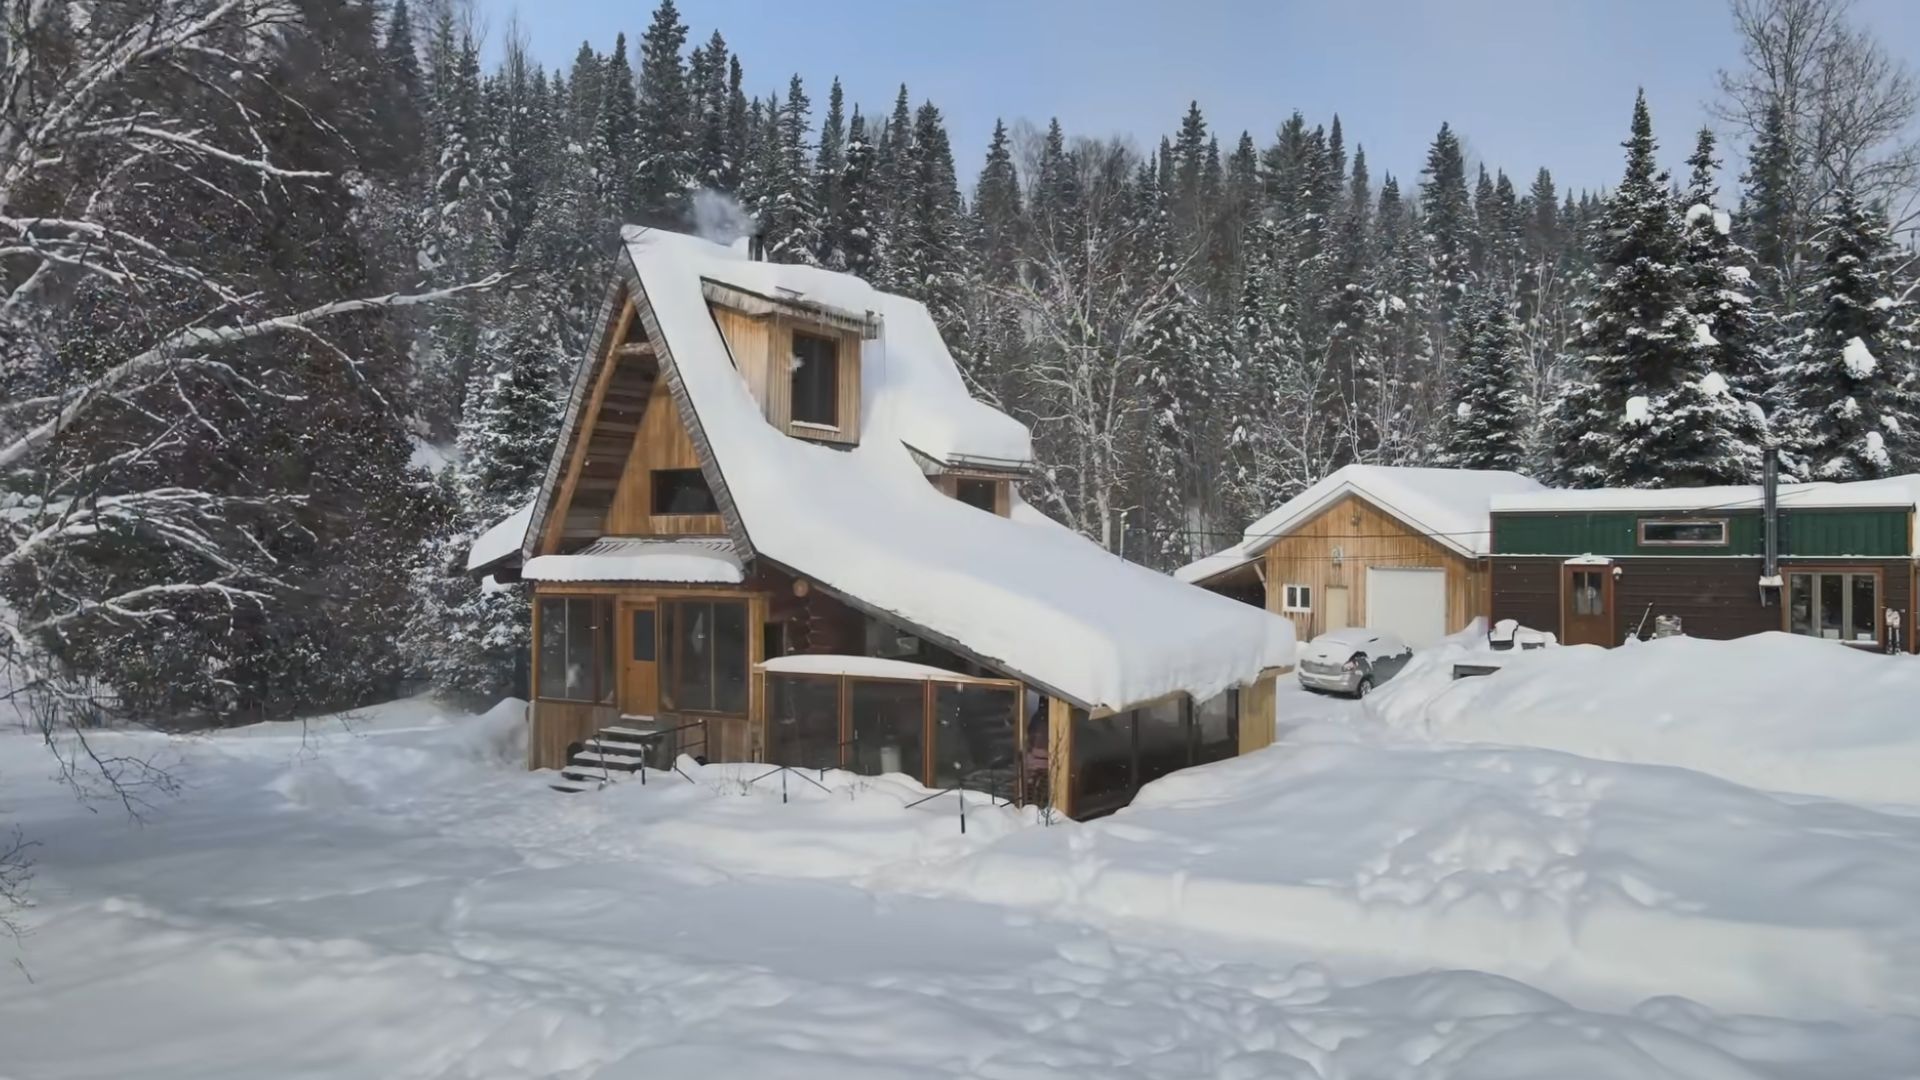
{"type": "Point", "coordinates": [1546, 82]}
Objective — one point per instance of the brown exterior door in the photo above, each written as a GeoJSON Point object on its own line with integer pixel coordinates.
{"type": "Point", "coordinates": [639, 643]}
{"type": "Point", "coordinates": [1586, 605]}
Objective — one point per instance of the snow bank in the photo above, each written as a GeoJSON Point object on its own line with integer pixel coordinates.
{"type": "Point", "coordinates": [1772, 711]}
{"type": "Point", "coordinates": [1598, 882]}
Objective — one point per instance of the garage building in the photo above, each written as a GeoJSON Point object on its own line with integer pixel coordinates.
{"type": "Point", "coordinates": [1397, 549]}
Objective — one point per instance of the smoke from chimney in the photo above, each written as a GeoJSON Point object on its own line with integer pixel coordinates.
{"type": "Point", "coordinates": [719, 217]}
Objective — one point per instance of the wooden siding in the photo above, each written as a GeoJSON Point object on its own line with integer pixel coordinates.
{"type": "Point", "coordinates": [1715, 598]}
{"type": "Point", "coordinates": [1366, 536]}
{"type": "Point", "coordinates": [661, 443]}
{"type": "Point", "coordinates": [1869, 533]}
{"type": "Point", "coordinates": [558, 725]}
{"type": "Point", "coordinates": [1257, 724]}
{"type": "Point", "coordinates": [761, 347]}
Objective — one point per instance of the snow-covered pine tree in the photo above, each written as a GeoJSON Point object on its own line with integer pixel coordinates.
{"type": "Point", "coordinates": [1850, 385]}
{"type": "Point", "coordinates": [851, 231]}
{"type": "Point", "coordinates": [1721, 283]}
{"type": "Point", "coordinates": [996, 233]}
{"type": "Point", "coordinates": [1486, 423]}
{"type": "Point", "coordinates": [927, 258]}
{"type": "Point", "coordinates": [784, 203]}
{"type": "Point", "coordinates": [470, 637]}
{"type": "Point", "coordinates": [714, 163]}
{"type": "Point", "coordinates": [1658, 414]}
{"type": "Point", "coordinates": [830, 161]}
{"type": "Point", "coordinates": [616, 136]}
{"type": "Point", "coordinates": [1448, 225]}
{"type": "Point", "coordinates": [1770, 216]}
{"type": "Point", "coordinates": [664, 176]}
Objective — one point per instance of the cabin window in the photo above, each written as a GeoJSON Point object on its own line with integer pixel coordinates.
{"type": "Point", "coordinates": [816, 380]}
{"type": "Point", "coordinates": [1296, 598]}
{"type": "Point", "coordinates": [1837, 606]}
{"type": "Point", "coordinates": [682, 491]}
{"type": "Point", "coordinates": [1684, 532]}
{"type": "Point", "coordinates": [704, 658]}
{"type": "Point", "coordinates": [978, 494]}
{"type": "Point", "coordinates": [576, 649]}
{"type": "Point", "coordinates": [643, 643]}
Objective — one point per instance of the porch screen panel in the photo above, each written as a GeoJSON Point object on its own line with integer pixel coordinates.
{"type": "Point", "coordinates": [553, 649]}
{"type": "Point", "coordinates": [1162, 738]}
{"type": "Point", "coordinates": [1103, 763]}
{"type": "Point", "coordinates": [889, 727]}
{"type": "Point", "coordinates": [1216, 727]}
{"type": "Point", "coordinates": [1833, 605]}
{"type": "Point", "coordinates": [580, 657]}
{"type": "Point", "coordinates": [803, 721]}
{"type": "Point", "coordinates": [974, 745]}
{"type": "Point", "coordinates": [730, 658]}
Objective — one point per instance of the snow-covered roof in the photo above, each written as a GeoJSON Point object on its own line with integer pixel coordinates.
{"type": "Point", "coordinates": [1448, 505]}
{"type": "Point", "coordinates": [870, 667]}
{"type": "Point", "coordinates": [631, 558]}
{"type": "Point", "coordinates": [502, 540]}
{"type": "Point", "coordinates": [1892, 492]}
{"type": "Point", "coordinates": [1022, 593]}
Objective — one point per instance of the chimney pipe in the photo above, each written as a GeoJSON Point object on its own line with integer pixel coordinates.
{"type": "Point", "coordinates": [1770, 511]}
{"type": "Point", "coordinates": [757, 246]}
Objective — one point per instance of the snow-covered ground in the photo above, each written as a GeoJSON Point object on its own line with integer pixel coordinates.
{"type": "Point", "coordinates": [396, 898]}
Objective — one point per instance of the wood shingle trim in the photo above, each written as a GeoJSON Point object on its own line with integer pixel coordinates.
{"type": "Point", "coordinates": [584, 379]}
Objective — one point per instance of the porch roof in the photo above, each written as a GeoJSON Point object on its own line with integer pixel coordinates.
{"type": "Point", "coordinates": [703, 561]}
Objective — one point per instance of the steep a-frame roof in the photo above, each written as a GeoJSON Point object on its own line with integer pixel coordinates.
{"type": "Point", "coordinates": [1022, 594]}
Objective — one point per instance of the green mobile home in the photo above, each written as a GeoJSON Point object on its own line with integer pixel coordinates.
{"type": "Point", "coordinates": [1600, 566]}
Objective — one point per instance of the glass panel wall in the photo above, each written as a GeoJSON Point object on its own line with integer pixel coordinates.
{"type": "Point", "coordinates": [889, 727]}
{"type": "Point", "coordinates": [1162, 738]}
{"type": "Point", "coordinates": [1216, 727]}
{"type": "Point", "coordinates": [576, 649]}
{"type": "Point", "coordinates": [704, 656]}
{"type": "Point", "coordinates": [974, 738]}
{"type": "Point", "coordinates": [1836, 605]}
{"type": "Point", "coordinates": [1113, 756]}
{"type": "Point", "coordinates": [803, 721]}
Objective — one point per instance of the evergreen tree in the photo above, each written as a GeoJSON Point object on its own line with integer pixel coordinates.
{"type": "Point", "coordinates": [1720, 282]}
{"type": "Point", "coordinates": [471, 638]}
{"type": "Point", "coordinates": [851, 232]}
{"type": "Point", "coordinates": [714, 150]}
{"type": "Point", "coordinates": [784, 196]}
{"type": "Point", "coordinates": [1769, 205]}
{"type": "Point", "coordinates": [1486, 422]}
{"type": "Point", "coordinates": [617, 136]}
{"type": "Point", "coordinates": [1449, 222]}
{"type": "Point", "coordinates": [1658, 414]}
{"type": "Point", "coordinates": [832, 157]}
{"type": "Point", "coordinates": [1850, 386]}
{"type": "Point", "coordinates": [666, 171]}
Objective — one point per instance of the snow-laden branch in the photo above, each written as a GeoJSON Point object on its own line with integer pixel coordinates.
{"type": "Point", "coordinates": [198, 338]}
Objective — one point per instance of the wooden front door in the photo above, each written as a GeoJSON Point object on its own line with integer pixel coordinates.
{"type": "Point", "coordinates": [639, 666]}
{"type": "Point", "coordinates": [1338, 617]}
{"type": "Point", "coordinates": [1586, 605]}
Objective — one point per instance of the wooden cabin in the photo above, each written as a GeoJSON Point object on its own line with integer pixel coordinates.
{"type": "Point", "coordinates": [1396, 549]}
{"type": "Point", "coordinates": [1597, 567]}
{"type": "Point", "coordinates": [776, 528]}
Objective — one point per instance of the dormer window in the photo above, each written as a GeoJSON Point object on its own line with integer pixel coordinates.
{"type": "Point", "coordinates": [816, 380]}
{"type": "Point", "coordinates": [978, 494]}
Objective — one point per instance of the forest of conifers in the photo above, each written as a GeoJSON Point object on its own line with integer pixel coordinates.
{"type": "Point", "coordinates": [293, 290]}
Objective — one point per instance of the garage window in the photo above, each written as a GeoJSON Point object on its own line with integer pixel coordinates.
{"type": "Point", "coordinates": [1297, 598]}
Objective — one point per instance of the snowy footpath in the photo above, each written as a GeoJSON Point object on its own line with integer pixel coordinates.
{"type": "Point", "coordinates": [1486, 880]}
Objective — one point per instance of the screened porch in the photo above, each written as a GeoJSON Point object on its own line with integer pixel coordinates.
{"type": "Point", "coordinates": [875, 716]}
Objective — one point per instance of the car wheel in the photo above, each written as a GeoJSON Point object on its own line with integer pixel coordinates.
{"type": "Point", "coordinates": [1365, 687]}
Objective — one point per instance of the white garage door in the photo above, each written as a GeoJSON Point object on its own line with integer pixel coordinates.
{"type": "Point", "coordinates": [1409, 602]}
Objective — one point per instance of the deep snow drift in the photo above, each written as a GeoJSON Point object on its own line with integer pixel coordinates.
{"type": "Point", "coordinates": [396, 898]}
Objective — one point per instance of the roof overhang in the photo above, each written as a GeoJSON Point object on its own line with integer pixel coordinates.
{"type": "Point", "coordinates": [1255, 545]}
{"type": "Point", "coordinates": [866, 324]}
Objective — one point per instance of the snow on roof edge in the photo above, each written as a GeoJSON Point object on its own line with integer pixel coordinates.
{"type": "Point", "coordinates": [502, 539]}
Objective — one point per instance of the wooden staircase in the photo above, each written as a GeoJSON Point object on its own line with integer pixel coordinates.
{"type": "Point", "coordinates": [613, 754]}
{"type": "Point", "coordinates": [633, 745]}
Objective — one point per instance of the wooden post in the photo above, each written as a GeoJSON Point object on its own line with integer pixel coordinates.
{"type": "Point", "coordinates": [533, 693]}
{"type": "Point", "coordinates": [1060, 755]}
{"type": "Point", "coordinates": [1256, 713]}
